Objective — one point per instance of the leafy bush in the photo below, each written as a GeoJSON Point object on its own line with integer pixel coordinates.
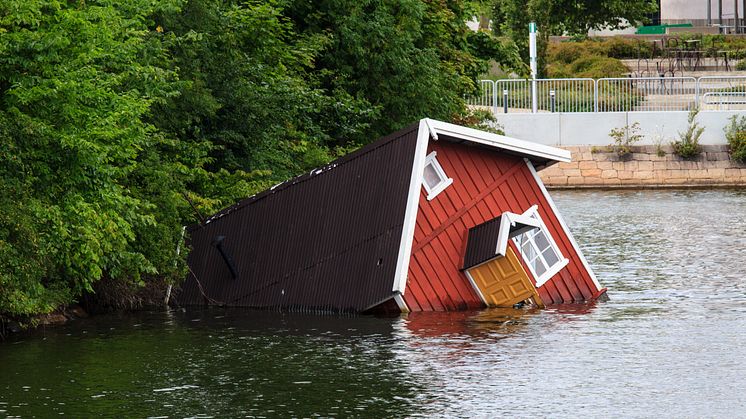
{"type": "Point", "coordinates": [688, 144]}
{"type": "Point", "coordinates": [735, 133]}
{"type": "Point", "coordinates": [598, 67]}
{"type": "Point", "coordinates": [741, 66]}
{"type": "Point", "coordinates": [624, 138]}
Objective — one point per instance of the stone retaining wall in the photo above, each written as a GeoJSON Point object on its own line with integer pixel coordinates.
{"type": "Point", "coordinates": [592, 167]}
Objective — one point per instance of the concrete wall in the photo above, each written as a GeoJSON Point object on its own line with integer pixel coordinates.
{"type": "Point", "coordinates": [687, 10]}
{"type": "Point", "coordinates": [570, 129]}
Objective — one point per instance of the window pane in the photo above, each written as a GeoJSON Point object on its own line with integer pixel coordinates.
{"type": "Point", "coordinates": [550, 256]}
{"type": "Point", "coordinates": [431, 176]}
{"type": "Point", "coordinates": [539, 268]}
{"type": "Point", "coordinates": [541, 240]}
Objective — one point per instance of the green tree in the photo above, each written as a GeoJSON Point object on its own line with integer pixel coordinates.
{"type": "Point", "coordinates": [76, 80]}
{"type": "Point", "coordinates": [569, 17]}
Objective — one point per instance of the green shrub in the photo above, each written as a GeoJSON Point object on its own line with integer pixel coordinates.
{"type": "Point", "coordinates": [598, 67]}
{"type": "Point", "coordinates": [688, 144]}
{"type": "Point", "coordinates": [741, 66]}
{"type": "Point", "coordinates": [624, 138]}
{"type": "Point", "coordinates": [567, 52]}
{"type": "Point", "coordinates": [626, 48]}
{"type": "Point", "coordinates": [735, 133]}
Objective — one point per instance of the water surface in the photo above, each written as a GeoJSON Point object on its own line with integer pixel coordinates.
{"type": "Point", "coordinates": [669, 343]}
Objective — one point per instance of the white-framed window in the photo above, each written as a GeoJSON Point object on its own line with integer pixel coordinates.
{"type": "Point", "coordinates": [434, 178]}
{"type": "Point", "coordinates": [539, 250]}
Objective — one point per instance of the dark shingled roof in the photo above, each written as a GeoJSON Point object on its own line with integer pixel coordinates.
{"type": "Point", "coordinates": [327, 240]}
{"type": "Point", "coordinates": [481, 245]}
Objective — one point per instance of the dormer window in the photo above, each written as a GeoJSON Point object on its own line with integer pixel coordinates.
{"type": "Point", "coordinates": [434, 178]}
{"type": "Point", "coordinates": [539, 250]}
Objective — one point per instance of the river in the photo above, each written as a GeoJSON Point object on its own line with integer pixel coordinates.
{"type": "Point", "coordinates": [670, 342]}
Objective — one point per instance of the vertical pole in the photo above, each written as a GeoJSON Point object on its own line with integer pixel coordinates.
{"type": "Point", "coordinates": [735, 13]}
{"type": "Point", "coordinates": [595, 95]}
{"type": "Point", "coordinates": [720, 15]}
{"type": "Point", "coordinates": [551, 100]}
{"type": "Point", "coordinates": [494, 98]}
{"type": "Point", "coordinates": [534, 69]}
{"type": "Point", "coordinates": [505, 100]}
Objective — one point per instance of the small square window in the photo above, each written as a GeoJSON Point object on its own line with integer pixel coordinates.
{"type": "Point", "coordinates": [434, 178]}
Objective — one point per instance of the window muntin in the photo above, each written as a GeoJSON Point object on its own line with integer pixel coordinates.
{"type": "Point", "coordinates": [434, 179]}
{"type": "Point", "coordinates": [539, 250]}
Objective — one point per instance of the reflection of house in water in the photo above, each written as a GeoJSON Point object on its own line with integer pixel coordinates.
{"type": "Point", "coordinates": [435, 217]}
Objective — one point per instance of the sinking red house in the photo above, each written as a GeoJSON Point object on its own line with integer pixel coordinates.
{"type": "Point", "coordinates": [433, 217]}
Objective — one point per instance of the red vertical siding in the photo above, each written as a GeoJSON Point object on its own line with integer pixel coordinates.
{"type": "Point", "coordinates": [485, 184]}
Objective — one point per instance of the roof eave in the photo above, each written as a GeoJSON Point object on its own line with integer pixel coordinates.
{"type": "Point", "coordinates": [528, 149]}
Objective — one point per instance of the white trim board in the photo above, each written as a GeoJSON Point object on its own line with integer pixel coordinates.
{"type": "Point", "coordinates": [525, 148]}
{"type": "Point", "coordinates": [563, 225]}
{"type": "Point", "coordinates": [413, 203]}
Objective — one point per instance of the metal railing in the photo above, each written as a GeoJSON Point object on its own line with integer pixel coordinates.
{"type": "Point", "coordinates": [613, 94]}
{"type": "Point", "coordinates": [722, 93]}
{"type": "Point", "coordinates": [646, 94]}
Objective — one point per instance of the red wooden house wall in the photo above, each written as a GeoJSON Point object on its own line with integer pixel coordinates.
{"type": "Point", "coordinates": [485, 184]}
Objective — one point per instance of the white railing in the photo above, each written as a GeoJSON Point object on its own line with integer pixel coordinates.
{"type": "Point", "coordinates": [646, 94]}
{"type": "Point", "coordinates": [613, 94]}
{"type": "Point", "coordinates": [722, 93]}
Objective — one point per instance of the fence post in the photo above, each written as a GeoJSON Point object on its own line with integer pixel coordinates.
{"type": "Point", "coordinates": [494, 97]}
{"type": "Point", "coordinates": [696, 93]}
{"type": "Point", "coordinates": [551, 100]}
{"type": "Point", "coordinates": [595, 95]}
{"type": "Point", "coordinates": [505, 100]}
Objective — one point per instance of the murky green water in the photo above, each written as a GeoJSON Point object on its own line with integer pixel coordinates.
{"type": "Point", "coordinates": [669, 343]}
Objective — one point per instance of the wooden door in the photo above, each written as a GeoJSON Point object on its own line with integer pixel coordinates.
{"type": "Point", "coordinates": [503, 282]}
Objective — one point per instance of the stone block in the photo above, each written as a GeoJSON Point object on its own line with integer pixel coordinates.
{"type": "Point", "coordinates": [604, 157]}
{"type": "Point", "coordinates": [594, 181]}
{"type": "Point", "coordinates": [609, 174]}
{"type": "Point", "coordinates": [678, 174]}
{"type": "Point", "coordinates": [571, 165]}
{"type": "Point", "coordinates": [698, 174]}
{"type": "Point", "coordinates": [716, 173]}
{"type": "Point", "coordinates": [644, 165]}
{"type": "Point", "coordinates": [732, 173]}
{"type": "Point", "coordinates": [688, 164]}
{"type": "Point", "coordinates": [631, 165]}
{"type": "Point", "coordinates": [605, 165]}
{"type": "Point", "coordinates": [660, 165]}
{"type": "Point", "coordinates": [656, 157]}
{"type": "Point", "coordinates": [643, 174]}
{"type": "Point", "coordinates": [572, 172]}
{"type": "Point", "coordinates": [591, 172]}
{"type": "Point", "coordinates": [617, 165]}
{"type": "Point", "coordinates": [613, 181]}
{"type": "Point", "coordinates": [556, 180]}
{"type": "Point", "coordinates": [587, 165]}
{"type": "Point", "coordinates": [625, 174]}
{"type": "Point", "coordinates": [576, 180]}
{"type": "Point", "coordinates": [641, 156]}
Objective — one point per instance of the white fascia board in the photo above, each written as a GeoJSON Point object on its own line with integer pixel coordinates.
{"type": "Point", "coordinates": [563, 225]}
{"type": "Point", "coordinates": [413, 202]}
{"type": "Point", "coordinates": [525, 148]}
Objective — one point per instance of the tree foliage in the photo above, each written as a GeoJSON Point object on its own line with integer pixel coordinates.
{"type": "Point", "coordinates": [120, 122]}
{"type": "Point", "coordinates": [563, 17]}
